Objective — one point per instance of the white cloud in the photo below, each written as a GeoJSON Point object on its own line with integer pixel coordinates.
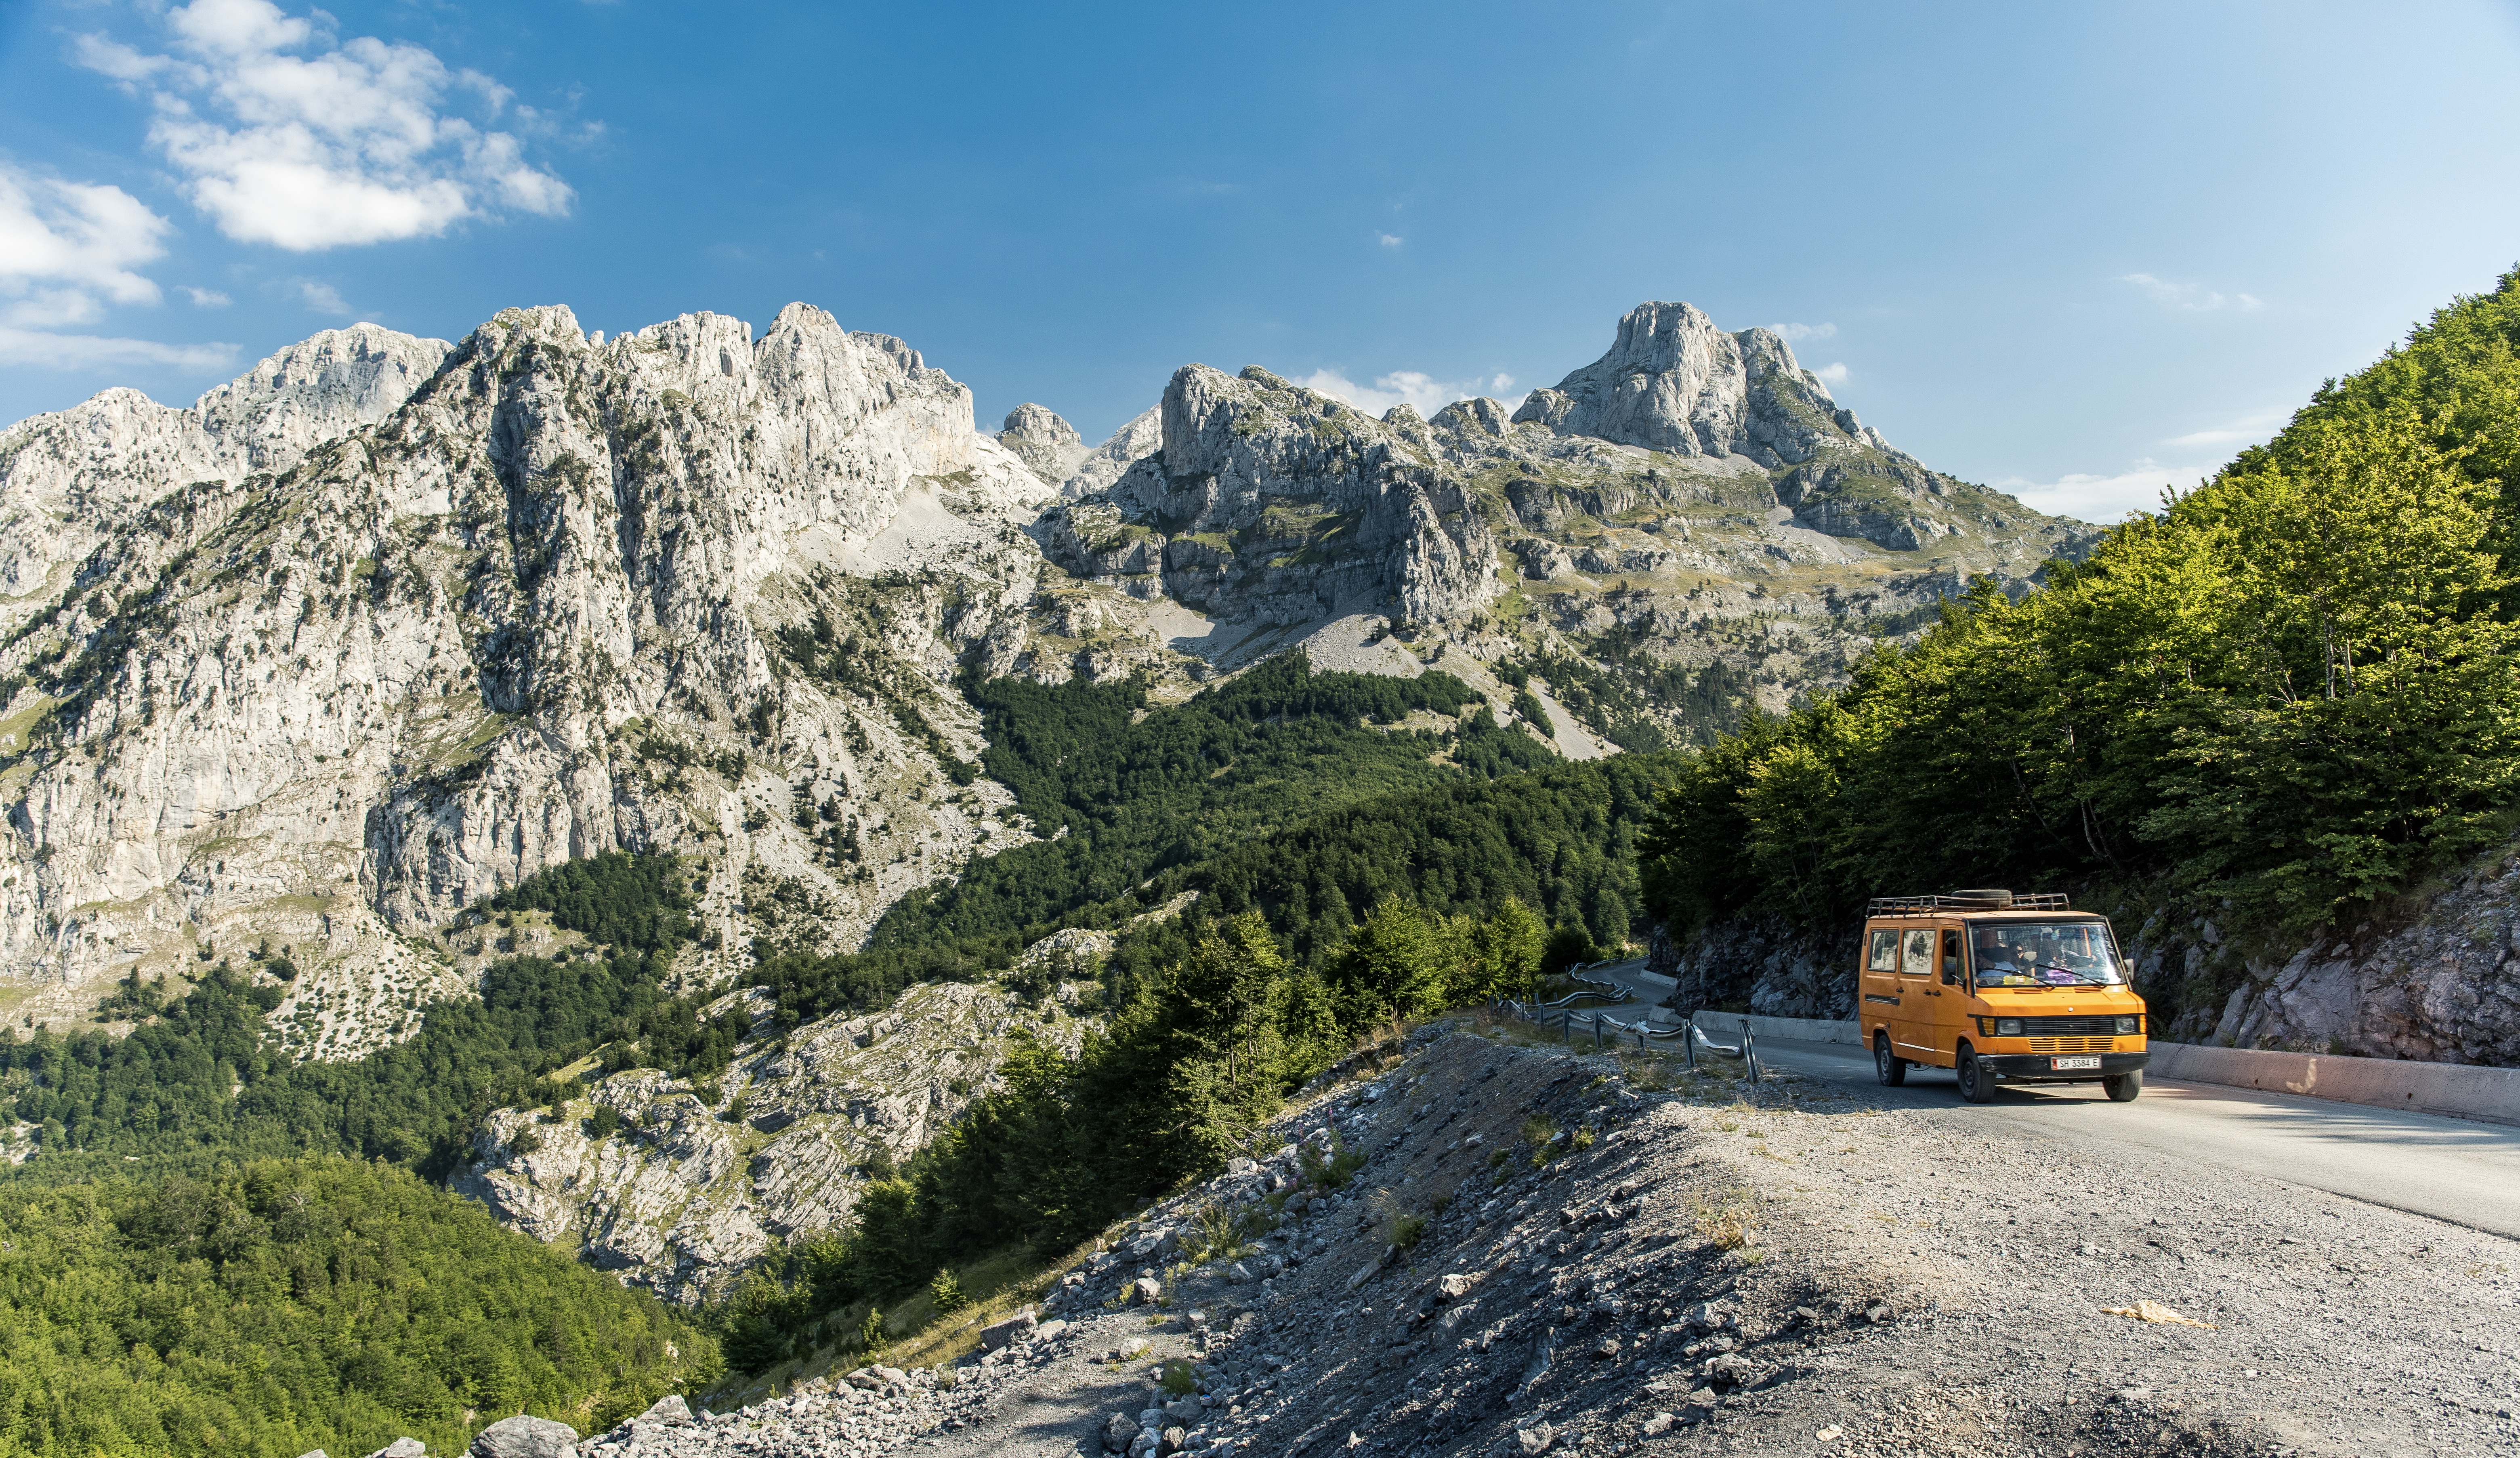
{"type": "Point", "coordinates": [1414, 388]}
{"type": "Point", "coordinates": [79, 351]}
{"type": "Point", "coordinates": [2195, 298]}
{"type": "Point", "coordinates": [1389, 240]}
{"type": "Point", "coordinates": [347, 144]}
{"type": "Point", "coordinates": [322, 297]}
{"type": "Point", "coordinates": [207, 298]}
{"type": "Point", "coordinates": [2245, 430]}
{"type": "Point", "coordinates": [1795, 333]}
{"type": "Point", "coordinates": [66, 248]}
{"type": "Point", "coordinates": [2105, 498]}
{"type": "Point", "coordinates": [1832, 374]}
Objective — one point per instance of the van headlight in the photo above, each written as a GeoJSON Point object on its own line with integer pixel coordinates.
{"type": "Point", "coordinates": [2126, 1025]}
{"type": "Point", "coordinates": [2008, 1027]}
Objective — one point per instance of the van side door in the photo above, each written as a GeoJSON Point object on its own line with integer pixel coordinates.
{"type": "Point", "coordinates": [1914, 1030]}
{"type": "Point", "coordinates": [1877, 1008]}
{"type": "Point", "coordinates": [1947, 999]}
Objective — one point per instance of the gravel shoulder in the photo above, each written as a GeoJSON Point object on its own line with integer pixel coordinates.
{"type": "Point", "coordinates": [1714, 1267]}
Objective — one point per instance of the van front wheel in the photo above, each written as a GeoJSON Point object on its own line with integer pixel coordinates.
{"type": "Point", "coordinates": [1975, 1086]}
{"type": "Point", "coordinates": [2125, 1087]}
{"type": "Point", "coordinates": [1888, 1066]}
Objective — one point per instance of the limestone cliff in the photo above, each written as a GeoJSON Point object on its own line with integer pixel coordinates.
{"type": "Point", "coordinates": [533, 613]}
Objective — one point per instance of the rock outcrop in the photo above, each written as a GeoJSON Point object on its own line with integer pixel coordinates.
{"type": "Point", "coordinates": [1048, 445]}
{"type": "Point", "coordinates": [683, 1187]}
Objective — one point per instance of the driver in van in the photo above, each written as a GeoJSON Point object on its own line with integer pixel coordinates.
{"type": "Point", "coordinates": [2000, 963]}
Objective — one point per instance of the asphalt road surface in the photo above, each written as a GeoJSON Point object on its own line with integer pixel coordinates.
{"type": "Point", "coordinates": [2460, 1170]}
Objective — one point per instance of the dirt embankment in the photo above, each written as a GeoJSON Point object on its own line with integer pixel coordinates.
{"type": "Point", "coordinates": [1700, 1266]}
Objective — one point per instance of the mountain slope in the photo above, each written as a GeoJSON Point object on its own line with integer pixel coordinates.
{"type": "Point", "coordinates": [389, 625]}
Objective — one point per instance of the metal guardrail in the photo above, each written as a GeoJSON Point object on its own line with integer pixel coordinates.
{"type": "Point", "coordinates": [1693, 1038]}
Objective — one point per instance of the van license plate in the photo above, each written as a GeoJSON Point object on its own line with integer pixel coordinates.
{"type": "Point", "coordinates": [2066, 1065]}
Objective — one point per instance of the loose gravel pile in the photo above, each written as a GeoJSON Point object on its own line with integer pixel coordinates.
{"type": "Point", "coordinates": [1533, 1253]}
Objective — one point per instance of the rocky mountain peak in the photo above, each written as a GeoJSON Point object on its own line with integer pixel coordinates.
{"type": "Point", "coordinates": [1674, 382]}
{"type": "Point", "coordinates": [1047, 444]}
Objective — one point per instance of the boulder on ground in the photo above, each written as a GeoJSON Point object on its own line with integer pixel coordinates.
{"type": "Point", "coordinates": [400, 1448]}
{"type": "Point", "coordinates": [522, 1436]}
{"type": "Point", "coordinates": [1118, 1432]}
{"type": "Point", "coordinates": [670, 1410]}
{"type": "Point", "coordinates": [997, 1335]}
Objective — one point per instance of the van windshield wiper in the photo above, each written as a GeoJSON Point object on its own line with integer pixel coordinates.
{"type": "Point", "coordinates": [2080, 976]}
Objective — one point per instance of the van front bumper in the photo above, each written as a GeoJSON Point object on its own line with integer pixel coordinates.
{"type": "Point", "coordinates": [2041, 1067]}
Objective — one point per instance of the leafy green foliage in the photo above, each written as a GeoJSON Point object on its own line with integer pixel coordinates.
{"type": "Point", "coordinates": [288, 1305]}
{"type": "Point", "coordinates": [2288, 692]}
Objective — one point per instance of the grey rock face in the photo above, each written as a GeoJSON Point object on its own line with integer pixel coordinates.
{"type": "Point", "coordinates": [1141, 438]}
{"type": "Point", "coordinates": [524, 1438]}
{"type": "Point", "coordinates": [1271, 503]}
{"type": "Point", "coordinates": [345, 700]}
{"type": "Point", "coordinates": [1673, 382]}
{"type": "Point", "coordinates": [1048, 445]}
{"type": "Point", "coordinates": [686, 1195]}
{"type": "Point", "coordinates": [71, 478]}
{"type": "Point", "coordinates": [2443, 989]}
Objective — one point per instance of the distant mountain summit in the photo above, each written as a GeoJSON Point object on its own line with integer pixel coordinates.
{"type": "Point", "coordinates": [389, 623]}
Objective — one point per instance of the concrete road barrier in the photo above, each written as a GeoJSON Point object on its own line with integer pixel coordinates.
{"type": "Point", "coordinates": [2462, 1090]}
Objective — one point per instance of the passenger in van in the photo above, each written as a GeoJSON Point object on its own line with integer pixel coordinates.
{"type": "Point", "coordinates": [2043, 954]}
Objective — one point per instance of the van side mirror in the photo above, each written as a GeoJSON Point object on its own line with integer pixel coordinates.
{"type": "Point", "coordinates": [1951, 974]}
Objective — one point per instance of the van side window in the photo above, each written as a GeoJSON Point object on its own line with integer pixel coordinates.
{"type": "Point", "coordinates": [1884, 955]}
{"type": "Point", "coordinates": [1952, 957]}
{"type": "Point", "coordinates": [1919, 957]}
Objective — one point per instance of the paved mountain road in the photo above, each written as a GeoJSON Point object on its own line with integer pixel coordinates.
{"type": "Point", "coordinates": [2454, 1170]}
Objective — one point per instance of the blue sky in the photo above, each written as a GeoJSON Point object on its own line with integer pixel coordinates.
{"type": "Point", "coordinates": [2076, 254]}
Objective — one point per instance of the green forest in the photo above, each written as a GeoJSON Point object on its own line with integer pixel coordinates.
{"type": "Point", "coordinates": [278, 1307]}
{"type": "Point", "coordinates": [1236, 763]}
{"type": "Point", "coordinates": [2284, 698]}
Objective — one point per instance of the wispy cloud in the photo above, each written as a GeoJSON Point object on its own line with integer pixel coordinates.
{"type": "Point", "coordinates": [347, 143]}
{"type": "Point", "coordinates": [1795, 333]}
{"type": "Point", "coordinates": [1389, 240]}
{"type": "Point", "coordinates": [2245, 430]}
{"type": "Point", "coordinates": [2107, 499]}
{"type": "Point", "coordinates": [2195, 298]}
{"type": "Point", "coordinates": [86, 353]}
{"type": "Point", "coordinates": [1414, 388]}
{"type": "Point", "coordinates": [1832, 374]}
{"type": "Point", "coordinates": [207, 298]}
{"type": "Point", "coordinates": [322, 299]}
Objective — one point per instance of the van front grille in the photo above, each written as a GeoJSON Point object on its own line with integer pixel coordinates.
{"type": "Point", "coordinates": [2073, 1045]}
{"type": "Point", "coordinates": [2106, 1023]}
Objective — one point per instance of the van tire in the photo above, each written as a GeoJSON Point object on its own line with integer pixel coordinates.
{"type": "Point", "coordinates": [1887, 1065]}
{"type": "Point", "coordinates": [2125, 1087]}
{"type": "Point", "coordinates": [1975, 1086]}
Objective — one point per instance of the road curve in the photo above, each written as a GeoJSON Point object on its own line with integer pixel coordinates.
{"type": "Point", "coordinates": [2452, 1169]}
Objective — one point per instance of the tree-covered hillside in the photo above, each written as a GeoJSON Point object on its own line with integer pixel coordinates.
{"type": "Point", "coordinates": [1127, 791]}
{"type": "Point", "coordinates": [2279, 699]}
{"type": "Point", "coordinates": [281, 1307]}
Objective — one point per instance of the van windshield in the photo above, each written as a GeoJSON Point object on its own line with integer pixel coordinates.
{"type": "Point", "coordinates": [2043, 954]}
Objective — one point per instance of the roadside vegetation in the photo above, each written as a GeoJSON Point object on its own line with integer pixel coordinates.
{"type": "Point", "coordinates": [2279, 701]}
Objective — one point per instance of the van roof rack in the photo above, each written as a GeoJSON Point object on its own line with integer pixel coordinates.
{"type": "Point", "coordinates": [1987, 900]}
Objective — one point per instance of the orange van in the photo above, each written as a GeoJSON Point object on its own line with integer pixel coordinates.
{"type": "Point", "coordinates": [2000, 989]}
